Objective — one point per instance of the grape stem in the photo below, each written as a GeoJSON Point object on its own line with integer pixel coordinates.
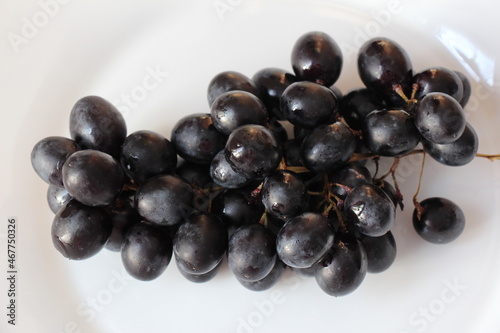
{"type": "Point", "coordinates": [492, 158]}
{"type": "Point", "coordinates": [416, 203]}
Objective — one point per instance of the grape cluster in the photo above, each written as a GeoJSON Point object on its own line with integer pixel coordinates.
{"type": "Point", "coordinates": [230, 182]}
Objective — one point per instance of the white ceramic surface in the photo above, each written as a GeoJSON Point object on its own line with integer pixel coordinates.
{"type": "Point", "coordinates": [162, 54]}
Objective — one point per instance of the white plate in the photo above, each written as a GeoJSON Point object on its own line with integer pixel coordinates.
{"type": "Point", "coordinates": [55, 51]}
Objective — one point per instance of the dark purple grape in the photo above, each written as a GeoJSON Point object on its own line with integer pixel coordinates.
{"type": "Point", "coordinates": [307, 271]}
{"type": "Point", "coordinates": [271, 82]}
{"type": "Point", "coordinates": [197, 175]}
{"type": "Point", "coordinates": [307, 104]}
{"type": "Point", "coordinates": [390, 133]}
{"type": "Point", "coordinates": [94, 123]}
{"type": "Point", "coordinates": [370, 210]}
{"type": "Point", "coordinates": [48, 157]}
{"type": "Point", "coordinates": [251, 253]}
{"type": "Point", "coordinates": [146, 154]}
{"type": "Point", "coordinates": [235, 108]}
{"type": "Point", "coordinates": [438, 79]}
{"type": "Point", "coordinates": [146, 251]}
{"type": "Point", "coordinates": [316, 57]}
{"type": "Point", "coordinates": [196, 139]}
{"type": "Point", "coordinates": [253, 151]}
{"type": "Point", "coordinates": [304, 240]}
{"type": "Point", "coordinates": [328, 147]}
{"type": "Point", "coordinates": [458, 153]}
{"type": "Point", "coordinates": [200, 243]}
{"type": "Point", "coordinates": [384, 64]}
{"type": "Point", "coordinates": [268, 281]}
{"type": "Point", "coordinates": [200, 278]}
{"type": "Point", "coordinates": [223, 173]}
{"type": "Point", "coordinates": [57, 197]}
{"type": "Point", "coordinates": [344, 269]}
{"type": "Point", "coordinates": [441, 222]}
{"type": "Point", "coordinates": [284, 194]}
{"type": "Point", "coordinates": [79, 232]}
{"type": "Point", "coordinates": [351, 175]}
{"type": "Point", "coordinates": [391, 193]}
{"type": "Point", "coordinates": [92, 177]}
{"type": "Point", "coordinates": [380, 251]}
{"type": "Point", "coordinates": [164, 200]}
{"type": "Point", "coordinates": [123, 215]}
{"type": "Point", "coordinates": [238, 207]}
{"type": "Point", "coordinates": [337, 92]}
{"type": "Point", "coordinates": [228, 81]}
{"type": "Point", "coordinates": [357, 104]}
{"type": "Point", "coordinates": [439, 118]}
{"type": "Point", "coordinates": [466, 87]}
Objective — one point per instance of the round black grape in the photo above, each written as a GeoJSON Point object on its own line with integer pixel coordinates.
{"type": "Point", "coordinates": [79, 232]}
{"type": "Point", "coordinates": [223, 173]}
{"type": "Point", "coordinates": [316, 57]}
{"type": "Point", "coordinates": [92, 177]}
{"type": "Point", "coordinates": [228, 81]}
{"type": "Point", "coordinates": [350, 176]}
{"type": "Point", "coordinates": [164, 200]}
{"type": "Point", "coordinates": [438, 79]}
{"type": "Point", "coordinates": [235, 108]}
{"type": "Point", "coordinates": [200, 278]}
{"type": "Point", "coordinates": [146, 154]}
{"type": "Point", "coordinates": [390, 133]}
{"type": "Point", "coordinates": [123, 215]}
{"type": "Point", "coordinates": [357, 104]}
{"type": "Point", "coordinates": [268, 281]}
{"type": "Point", "coordinates": [380, 251]}
{"type": "Point", "coordinates": [253, 151]}
{"type": "Point", "coordinates": [458, 153]}
{"type": "Point", "coordinates": [328, 147]}
{"type": "Point", "coordinates": [344, 269]}
{"type": "Point", "coordinates": [304, 240]}
{"type": "Point", "coordinates": [467, 88]}
{"type": "Point", "coordinates": [441, 222]}
{"type": "Point", "coordinates": [94, 123]}
{"type": "Point", "coordinates": [439, 118]}
{"type": "Point", "coordinates": [238, 207]}
{"type": "Point", "coordinates": [384, 64]}
{"type": "Point", "coordinates": [284, 194]}
{"type": "Point", "coordinates": [308, 104]}
{"type": "Point", "coordinates": [251, 253]}
{"type": "Point", "coordinates": [200, 243]}
{"type": "Point", "coordinates": [370, 210]}
{"type": "Point", "coordinates": [146, 251]}
{"type": "Point", "coordinates": [48, 157]}
{"type": "Point", "coordinates": [196, 139]}
{"type": "Point", "coordinates": [57, 197]}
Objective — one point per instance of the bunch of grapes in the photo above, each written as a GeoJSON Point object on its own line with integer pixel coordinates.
{"type": "Point", "coordinates": [232, 183]}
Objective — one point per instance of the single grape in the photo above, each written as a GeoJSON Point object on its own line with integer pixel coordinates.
{"type": "Point", "coordinates": [57, 197]}
{"type": "Point", "coordinates": [196, 139]}
{"type": "Point", "coordinates": [308, 104]}
{"type": "Point", "coordinates": [238, 207]}
{"type": "Point", "coordinates": [304, 240]}
{"type": "Point", "coordinates": [251, 253]}
{"type": "Point", "coordinates": [164, 200]}
{"type": "Point", "coordinates": [200, 278]}
{"type": "Point", "coordinates": [316, 57]}
{"type": "Point", "coordinates": [438, 79]}
{"type": "Point", "coordinates": [357, 104]}
{"type": "Point", "coordinates": [383, 64]}
{"type": "Point", "coordinates": [390, 133]}
{"type": "Point", "coordinates": [370, 210]}
{"type": "Point", "coordinates": [223, 173]}
{"type": "Point", "coordinates": [271, 82]}
{"type": "Point", "coordinates": [441, 222]}
{"type": "Point", "coordinates": [200, 243]}
{"type": "Point", "coordinates": [380, 251]}
{"type": "Point", "coordinates": [146, 251]}
{"type": "Point", "coordinates": [228, 81]}
{"type": "Point", "coordinates": [94, 123]}
{"type": "Point", "coordinates": [48, 157]}
{"type": "Point", "coordinates": [92, 177]}
{"type": "Point", "coordinates": [344, 269]}
{"type": "Point", "coordinates": [268, 281]}
{"type": "Point", "coordinates": [467, 88]}
{"type": "Point", "coordinates": [253, 151]}
{"type": "Point", "coordinates": [78, 231]}
{"type": "Point", "coordinates": [458, 153]}
{"type": "Point", "coordinates": [328, 147]}
{"type": "Point", "coordinates": [439, 118]}
{"type": "Point", "coordinates": [146, 154]}
{"type": "Point", "coordinates": [284, 194]}
{"type": "Point", "coordinates": [350, 176]}
{"type": "Point", "coordinates": [235, 108]}
{"type": "Point", "coordinates": [123, 215]}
